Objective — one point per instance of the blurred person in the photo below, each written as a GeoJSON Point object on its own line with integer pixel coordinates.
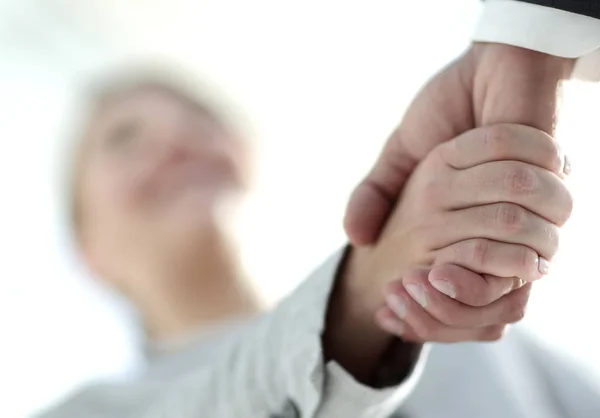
{"type": "Point", "coordinates": [155, 176]}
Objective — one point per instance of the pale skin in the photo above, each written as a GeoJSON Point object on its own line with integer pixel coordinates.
{"type": "Point", "coordinates": [479, 201]}
{"type": "Point", "coordinates": [491, 83]}
{"type": "Point", "coordinates": [496, 190]}
{"type": "Point", "coordinates": [154, 174]}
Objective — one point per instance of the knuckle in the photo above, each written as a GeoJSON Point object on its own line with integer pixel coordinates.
{"type": "Point", "coordinates": [509, 217]}
{"type": "Point", "coordinates": [552, 155]}
{"type": "Point", "coordinates": [479, 251]}
{"type": "Point", "coordinates": [517, 309]}
{"type": "Point", "coordinates": [494, 333]}
{"type": "Point", "coordinates": [566, 207]}
{"type": "Point", "coordinates": [517, 283]}
{"type": "Point", "coordinates": [553, 241]}
{"type": "Point", "coordinates": [496, 140]}
{"type": "Point", "coordinates": [463, 252]}
{"type": "Point", "coordinates": [521, 180]}
{"type": "Point", "coordinates": [525, 259]}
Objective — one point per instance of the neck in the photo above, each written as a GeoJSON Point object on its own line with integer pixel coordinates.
{"type": "Point", "coordinates": [198, 285]}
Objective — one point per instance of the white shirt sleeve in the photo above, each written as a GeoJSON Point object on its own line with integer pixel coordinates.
{"type": "Point", "coordinates": [544, 29]}
{"type": "Point", "coordinates": [273, 368]}
{"type": "Point", "coordinates": [276, 369]}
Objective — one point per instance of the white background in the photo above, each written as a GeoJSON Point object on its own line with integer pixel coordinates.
{"type": "Point", "coordinates": [324, 81]}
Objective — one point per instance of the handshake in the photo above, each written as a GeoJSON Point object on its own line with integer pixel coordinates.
{"type": "Point", "coordinates": [484, 209]}
{"type": "Point", "coordinates": [459, 215]}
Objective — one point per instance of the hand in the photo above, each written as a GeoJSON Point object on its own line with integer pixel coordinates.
{"type": "Point", "coordinates": [478, 309]}
{"type": "Point", "coordinates": [480, 201]}
{"type": "Point", "coordinates": [490, 84]}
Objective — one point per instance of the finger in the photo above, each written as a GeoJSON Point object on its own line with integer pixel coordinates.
{"type": "Point", "coordinates": [494, 258]}
{"type": "Point", "coordinates": [390, 322]}
{"type": "Point", "coordinates": [419, 325]}
{"type": "Point", "coordinates": [504, 222]}
{"type": "Point", "coordinates": [508, 309]}
{"type": "Point", "coordinates": [534, 188]}
{"type": "Point", "coordinates": [504, 142]}
{"type": "Point", "coordinates": [373, 199]}
{"type": "Point", "coordinates": [387, 319]}
{"type": "Point", "coordinates": [469, 288]}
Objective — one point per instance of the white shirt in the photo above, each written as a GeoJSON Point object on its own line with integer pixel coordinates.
{"type": "Point", "coordinates": [273, 368]}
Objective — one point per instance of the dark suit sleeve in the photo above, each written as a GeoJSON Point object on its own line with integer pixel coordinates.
{"type": "Point", "coordinates": [589, 8]}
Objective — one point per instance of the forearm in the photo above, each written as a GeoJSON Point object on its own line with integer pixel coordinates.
{"type": "Point", "coordinates": [516, 85]}
{"type": "Point", "coordinates": [351, 336]}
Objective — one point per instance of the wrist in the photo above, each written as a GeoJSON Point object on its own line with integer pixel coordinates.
{"type": "Point", "coordinates": [526, 60]}
{"type": "Point", "coordinates": [352, 338]}
{"type": "Point", "coordinates": [354, 296]}
{"type": "Point", "coordinates": [359, 281]}
{"type": "Point", "coordinates": [515, 85]}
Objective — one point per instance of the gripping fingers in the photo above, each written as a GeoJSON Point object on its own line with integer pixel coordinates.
{"type": "Point", "coordinates": [387, 319]}
{"type": "Point", "coordinates": [491, 258]}
{"type": "Point", "coordinates": [505, 141]}
{"type": "Point", "coordinates": [537, 190]}
{"type": "Point", "coordinates": [470, 288]}
{"type": "Point", "coordinates": [407, 296]}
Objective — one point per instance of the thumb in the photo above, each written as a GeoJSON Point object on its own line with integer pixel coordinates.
{"type": "Point", "coordinates": [441, 110]}
{"type": "Point", "coordinates": [372, 201]}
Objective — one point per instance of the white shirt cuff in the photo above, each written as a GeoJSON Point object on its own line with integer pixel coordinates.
{"type": "Point", "coordinates": [341, 395]}
{"type": "Point", "coordinates": [543, 29]}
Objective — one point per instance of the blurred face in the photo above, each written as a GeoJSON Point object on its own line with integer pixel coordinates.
{"type": "Point", "coordinates": [154, 170]}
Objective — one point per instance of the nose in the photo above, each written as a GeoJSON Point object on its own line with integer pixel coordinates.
{"type": "Point", "coordinates": [189, 137]}
{"type": "Point", "coordinates": [175, 139]}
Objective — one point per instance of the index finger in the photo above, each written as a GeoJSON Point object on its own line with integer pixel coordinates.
{"type": "Point", "coordinates": [504, 142]}
{"type": "Point", "coordinates": [471, 288]}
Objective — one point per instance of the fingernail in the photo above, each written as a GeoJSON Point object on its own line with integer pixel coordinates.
{"type": "Point", "coordinates": [418, 293]}
{"type": "Point", "coordinates": [392, 325]}
{"type": "Point", "coordinates": [396, 304]}
{"type": "Point", "coordinates": [567, 167]}
{"type": "Point", "coordinates": [543, 266]}
{"type": "Point", "coordinates": [517, 284]}
{"type": "Point", "coordinates": [444, 286]}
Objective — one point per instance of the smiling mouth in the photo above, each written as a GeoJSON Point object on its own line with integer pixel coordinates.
{"type": "Point", "coordinates": [197, 178]}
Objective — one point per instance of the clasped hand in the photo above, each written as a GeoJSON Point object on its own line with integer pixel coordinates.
{"type": "Point", "coordinates": [492, 201]}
